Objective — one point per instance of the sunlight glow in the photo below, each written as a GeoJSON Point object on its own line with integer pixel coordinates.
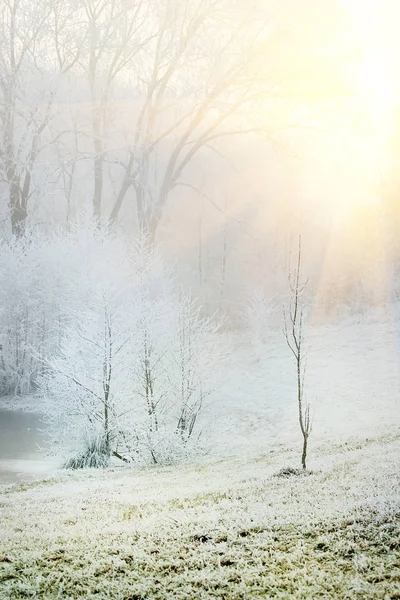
{"type": "Point", "coordinates": [375, 78]}
{"type": "Point", "coordinates": [377, 85]}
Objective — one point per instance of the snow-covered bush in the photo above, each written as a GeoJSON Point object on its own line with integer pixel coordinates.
{"type": "Point", "coordinates": [180, 363]}
{"type": "Point", "coordinates": [43, 279]}
{"type": "Point", "coordinates": [84, 382]}
{"type": "Point", "coordinates": [196, 365]}
{"type": "Point", "coordinates": [34, 273]}
{"type": "Point", "coordinates": [136, 361]}
{"type": "Point", "coordinates": [16, 325]}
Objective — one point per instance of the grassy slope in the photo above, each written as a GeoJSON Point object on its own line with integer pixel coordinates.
{"type": "Point", "coordinates": [228, 529]}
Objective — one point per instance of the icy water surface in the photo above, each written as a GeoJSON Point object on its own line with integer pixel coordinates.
{"type": "Point", "coordinates": [21, 436]}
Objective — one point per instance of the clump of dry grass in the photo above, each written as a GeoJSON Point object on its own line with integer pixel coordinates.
{"type": "Point", "coordinates": [94, 454]}
{"type": "Point", "coordinates": [292, 472]}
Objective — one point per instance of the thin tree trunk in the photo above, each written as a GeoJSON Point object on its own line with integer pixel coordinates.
{"type": "Point", "coordinates": [224, 249]}
{"type": "Point", "coordinates": [98, 167]}
{"type": "Point", "coordinates": [118, 203]}
{"type": "Point", "coordinates": [148, 216]}
{"type": "Point", "coordinates": [304, 454]}
{"type": "Point", "coordinates": [18, 211]}
{"type": "Point", "coordinates": [200, 257]}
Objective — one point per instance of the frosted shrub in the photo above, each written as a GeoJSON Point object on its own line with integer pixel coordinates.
{"type": "Point", "coordinates": [136, 364]}
{"type": "Point", "coordinates": [33, 277]}
{"type": "Point", "coordinates": [43, 280]}
{"type": "Point", "coordinates": [85, 381]}
{"type": "Point", "coordinates": [197, 362]}
{"type": "Point", "coordinates": [179, 365]}
{"type": "Point", "coordinates": [165, 446]}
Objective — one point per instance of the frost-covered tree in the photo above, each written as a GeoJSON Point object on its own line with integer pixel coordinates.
{"type": "Point", "coordinates": [85, 382]}
{"type": "Point", "coordinates": [33, 285]}
{"type": "Point", "coordinates": [197, 364]}
{"type": "Point", "coordinates": [135, 362]}
{"type": "Point", "coordinates": [33, 60]}
{"type": "Point", "coordinates": [84, 371]}
{"type": "Point", "coordinates": [155, 312]}
{"type": "Point", "coordinates": [294, 335]}
{"type": "Point", "coordinates": [180, 364]}
{"type": "Point", "coordinates": [179, 361]}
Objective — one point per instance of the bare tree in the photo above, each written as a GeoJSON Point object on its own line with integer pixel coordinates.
{"type": "Point", "coordinates": [294, 334]}
{"type": "Point", "coordinates": [33, 58]}
{"type": "Point", "coordinates": [84, 382]}
{"type": "Point", "coordinates": [199, 78]}
{"type": "Point", "coordinates": [22, 118]}
{"type": "Point", "coordinates": [159, 84]}
{"type": "Point", "coordinates": [67, 167]}
{"type": "Point", "coordinates": [113, 32]}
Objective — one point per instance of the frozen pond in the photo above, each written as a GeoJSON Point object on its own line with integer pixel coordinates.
{"type": "Point", "coordinates": [20, 437]}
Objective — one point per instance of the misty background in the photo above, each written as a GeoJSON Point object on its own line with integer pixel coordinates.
{"type": "Point", "coordinates": [158, 161]}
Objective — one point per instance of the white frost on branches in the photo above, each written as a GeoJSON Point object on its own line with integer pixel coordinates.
{"type": "Point", "coordinates": [136, 364]}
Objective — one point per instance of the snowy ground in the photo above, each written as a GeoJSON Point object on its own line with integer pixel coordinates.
{"type": "Point", "coordinates": [352, 383]}
{"type": "Point", "coordinates": [227, 527]}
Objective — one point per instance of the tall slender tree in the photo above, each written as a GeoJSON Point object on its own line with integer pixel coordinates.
{"type": "Point", "coordinates": [294, 334]}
